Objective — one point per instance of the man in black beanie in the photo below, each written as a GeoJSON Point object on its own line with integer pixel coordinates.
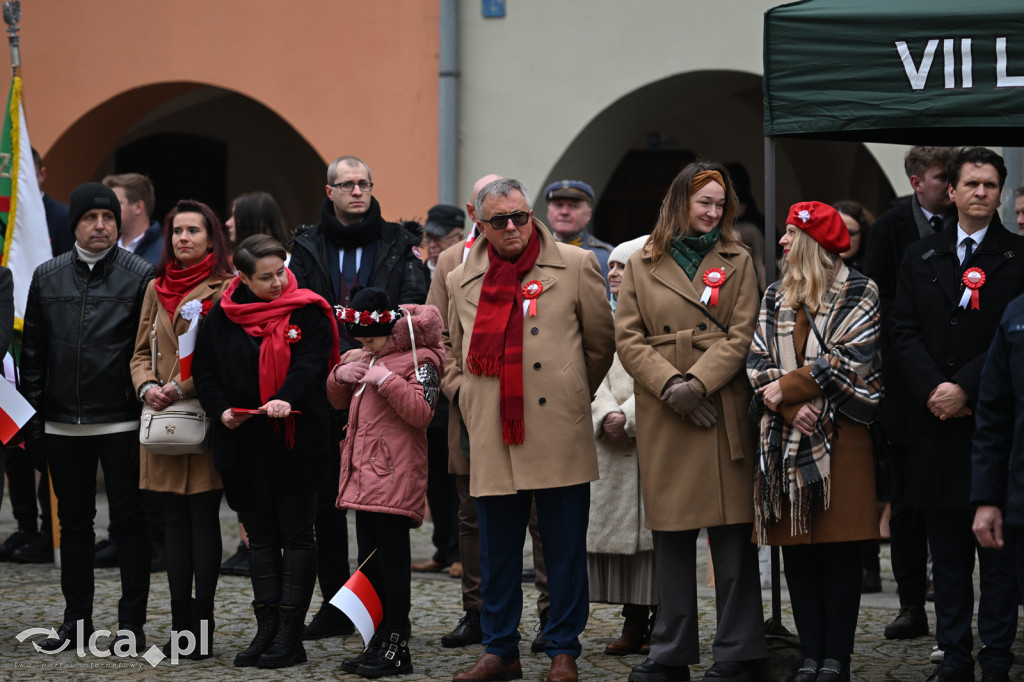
{"type": "Point", "coordinates": [81, 321]}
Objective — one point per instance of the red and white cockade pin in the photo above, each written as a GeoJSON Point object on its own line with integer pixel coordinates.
{"type": "Point", "coordinates": [531, 290]}
{"type": "Point", "coordinates": [974, 278]}
{"type": "Point", "coordinates": [713, 278]}
{"type": "Point", "coordinates": [292, 333]}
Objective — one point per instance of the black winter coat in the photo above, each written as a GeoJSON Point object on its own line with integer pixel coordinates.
{"type": "Point", "coordinates": [79, 338]}
{"type": "Point", "coordinates": [935, 341]}
{"type": "Point", "coordinates": [396, 263]}
{"type": "Point", "coordinates": [997, 475]}
{"type": "Point", "coordinates": [253, 460]}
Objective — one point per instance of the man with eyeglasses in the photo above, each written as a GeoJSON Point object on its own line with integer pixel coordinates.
{"type": "Point", "coordinates": [532, 334]}
{"type": "Point", "coordinates": [351, 246]}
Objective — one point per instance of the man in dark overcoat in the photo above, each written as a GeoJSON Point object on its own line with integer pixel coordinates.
{"type": "Point", "coordinates": [951, 293]}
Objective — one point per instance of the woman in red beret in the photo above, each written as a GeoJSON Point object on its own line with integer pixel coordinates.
{"type": "Point", "coordinates": [815, 364]}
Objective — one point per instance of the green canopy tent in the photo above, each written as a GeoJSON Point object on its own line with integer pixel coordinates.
{"type": "Point", "coordinates": [941, 72]}
{"type": "Point", "coordinates": [945, 72]}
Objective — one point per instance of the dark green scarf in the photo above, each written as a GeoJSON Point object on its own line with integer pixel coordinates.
{"type": "Point", "coordinates": [690, 251]}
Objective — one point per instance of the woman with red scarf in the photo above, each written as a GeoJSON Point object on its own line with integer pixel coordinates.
{"type": "Point", "coordinates": [192, 274]}
{"type": "Point", "coordinates": [267, 347]}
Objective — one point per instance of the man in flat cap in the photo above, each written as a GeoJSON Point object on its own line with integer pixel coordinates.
{"type": "Point", "coordinates": [570, 207]}
{"type": "Point", "coordinates": [444, 228]}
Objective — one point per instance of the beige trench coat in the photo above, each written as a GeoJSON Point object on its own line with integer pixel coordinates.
{"type": "Point", "coordinates": [691, 477]}
{"type": "Point", "coordinates": [180, 474]}
{"type": "Point", "coordinates": [449, 259]}
{"type": "Point", "coordinates": [567, 349]}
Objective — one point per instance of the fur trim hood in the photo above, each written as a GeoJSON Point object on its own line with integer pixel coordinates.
{"type": "Point", "coordinates": [427, 326]}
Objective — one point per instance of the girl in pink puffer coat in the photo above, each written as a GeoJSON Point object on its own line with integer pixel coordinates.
{"type": "Point", "coordinates": [390, 391]}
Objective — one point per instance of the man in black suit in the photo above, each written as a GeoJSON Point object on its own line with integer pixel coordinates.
{"type": "Point", "coordinates": [919, 215]}
{"type": "Point", "coordinates": [952, 289]}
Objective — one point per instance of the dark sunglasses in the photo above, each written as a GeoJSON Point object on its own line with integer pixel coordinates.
{"type": "Point", "coordinates": [500, 222]}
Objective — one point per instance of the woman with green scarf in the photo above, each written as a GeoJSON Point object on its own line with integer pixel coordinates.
{"type": "Point", "coordinates": [683, 324]}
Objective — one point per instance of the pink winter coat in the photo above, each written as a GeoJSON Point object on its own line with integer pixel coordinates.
{"type": "Point", "coordinates": [384, 454]}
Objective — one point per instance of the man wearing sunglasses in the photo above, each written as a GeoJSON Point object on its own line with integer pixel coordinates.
{"type": "Point", "coordinates": [532, 334]}
{"type": "Point", "coordinates": [351, 246]}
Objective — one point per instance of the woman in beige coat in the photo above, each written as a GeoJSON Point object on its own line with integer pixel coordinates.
{"type": "Point", "coordinates": [683, 324]}
{"type": "Point", "coordinates": [190, 278]}
{"type": "Point", "coordinates": [620, 552]}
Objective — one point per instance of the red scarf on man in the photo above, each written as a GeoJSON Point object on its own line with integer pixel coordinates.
{"type": "Point", "coordinates": [496, 348]}
{"type": "Point", "coordinates": [269, 320]}
{"type": "Point", "coordinates": [177, 281]}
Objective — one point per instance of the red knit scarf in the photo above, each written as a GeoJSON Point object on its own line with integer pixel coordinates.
{"type": "Point", "coordinates": [177, 281]}
{"type": "Point", "coordinates": [497, 343]}
{"type": "Point", "coordinates": [269, 320]}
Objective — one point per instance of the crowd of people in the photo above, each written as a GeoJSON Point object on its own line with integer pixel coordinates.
{"type": "Point", "coordinates": [612, 401]}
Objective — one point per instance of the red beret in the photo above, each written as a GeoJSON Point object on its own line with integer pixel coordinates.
{"type": "Point", "coordinates": [822, 223]}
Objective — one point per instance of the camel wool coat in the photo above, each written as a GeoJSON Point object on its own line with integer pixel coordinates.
{"type": "Point", "coordinates": [179, 474]}
{"type": "Point", "coordinates": [567, 350]}
{"type": "Point", "coordinates": [691, 476]}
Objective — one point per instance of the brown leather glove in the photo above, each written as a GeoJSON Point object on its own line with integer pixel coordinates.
{"type": "Point", "coordinates": [682, 396]}
{"type": "Point", "coordinates": [704, 414]}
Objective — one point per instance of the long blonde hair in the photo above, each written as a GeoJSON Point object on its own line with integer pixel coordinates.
{"type": "Point", "coordinates": [675, 208]}
{"type": "Point", "coordinates": [807, 273]}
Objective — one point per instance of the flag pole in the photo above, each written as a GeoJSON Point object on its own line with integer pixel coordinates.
{"type": "Point", "coordinates": [12, 17]}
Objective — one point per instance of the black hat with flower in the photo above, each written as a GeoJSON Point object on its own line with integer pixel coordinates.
{"type": "Point", "coordinates": [372, 312]}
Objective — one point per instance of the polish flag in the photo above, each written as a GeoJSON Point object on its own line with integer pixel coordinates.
{"type": "Point", "coordinates": [15, 411]}
{"type": "Point", "coordinates": [186, 346]}
{"type": "Point", "coordinates": [358, 600]}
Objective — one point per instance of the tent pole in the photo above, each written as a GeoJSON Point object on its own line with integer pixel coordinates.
{"type": "Point", "coordinates": [769, 209]}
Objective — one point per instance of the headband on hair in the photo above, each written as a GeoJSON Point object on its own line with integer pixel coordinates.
{"type": "Point", "coordinates": [701, 178]}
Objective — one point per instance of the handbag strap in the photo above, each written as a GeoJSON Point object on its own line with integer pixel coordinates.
{"type": "Point", "coordinates": [412, 340]}
{"type": "Point", "coordinates": [817, 334]}
{"type": "Point", "coordinates": [153, 351]}
{"type": "Point", "coordinates": [711, 317]}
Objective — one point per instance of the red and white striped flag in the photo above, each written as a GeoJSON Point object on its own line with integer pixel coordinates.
{"type": "Point", "coordinates": [15, 411]}
{"type": "Point", "coordinates": [359, 601]}
{"type": "Point", "coordinates": [186, 346]}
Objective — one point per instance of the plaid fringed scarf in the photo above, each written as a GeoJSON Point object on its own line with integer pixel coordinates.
{"type": "Point", "coordinates": [496, 348]}
{"type": "Point", "coordinates": [791, 466]}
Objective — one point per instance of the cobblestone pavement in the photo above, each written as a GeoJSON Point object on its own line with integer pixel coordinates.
{"type": "Point", "coordinates": [30, 598]}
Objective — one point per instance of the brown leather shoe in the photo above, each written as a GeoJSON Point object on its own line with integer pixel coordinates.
{"type": "Point", "coordinates": [634, 636]}
{"type": "Point", "coordinates": [494, 667]}
{"type": "Point", "coordinates": [428, 566]}
{"type": "Point", "coordinates": [455, 570]}
{"type": "Point", "coordinates": [563, 669]}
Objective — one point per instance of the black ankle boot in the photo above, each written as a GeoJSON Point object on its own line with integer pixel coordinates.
{"type": "Point", "coordinates": [181, 622]}
{"type": "Point", "coordinates": [390, 658]}
{"type": "Point", "coordinates": [267, 625]}
{"type": "Point", "coordinates": [287, 649]}
{"type": "Point", "coordinates": [352, 664]}
{"type": "Point", "coordinates": [202, 626]}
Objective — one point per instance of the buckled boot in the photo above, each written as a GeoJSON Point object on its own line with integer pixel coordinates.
{"type": "Point", "coordinates": [390, 658]}
{"type": "Point", "coordinates": [352, 664]}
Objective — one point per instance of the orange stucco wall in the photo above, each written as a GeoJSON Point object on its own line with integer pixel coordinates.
{"type": "Point", "coordinates": [351, 76]}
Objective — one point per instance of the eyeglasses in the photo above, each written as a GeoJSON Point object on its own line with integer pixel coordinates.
{"type": "Point", "coordinates": [500, 222]}
{"type": "Point", "coordinates": [348, 186]}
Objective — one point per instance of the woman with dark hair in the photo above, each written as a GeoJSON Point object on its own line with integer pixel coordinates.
{"type": "Point", "coordinates": [858, 220]}
{"type": "Point", "coordinates": [192, 274]}
{"type": "Point", "coordinates": [261, 368]}
{"type": "Point", "coordinates": [255, 213]}
{"type": "Point", "coordinates": [683, 324]}
{"type": "Point", "coordinates": [815, 364]}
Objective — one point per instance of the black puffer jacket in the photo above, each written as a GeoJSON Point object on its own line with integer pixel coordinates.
{"type": "Point", "coordinates": [80, 329]}
{"type": "Point", "coordinates": [396, 265]}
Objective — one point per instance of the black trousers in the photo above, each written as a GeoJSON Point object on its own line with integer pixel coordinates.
{"type": "Point", "coordinates": [388, 570]}
{"type": "Point", "coordinates": [908, 536]}
{"type": "Point", "coordinates": [192, 543]}
{"type": "Point", "coordinates": [21, 477]}
{"type": "Point", "coordinates": [72, 461]}
{"type": "Point", "coordinates": [331, 526]}
{"type": "Point", "coordinates": [442, 498]}
{"type": "Point", "coordinates": [824, 589]}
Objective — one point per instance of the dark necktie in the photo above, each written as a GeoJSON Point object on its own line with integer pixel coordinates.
{"type": "Point", "coordinates": [936, 223]}
{"type": "Point", "coordinates": [968, 251]}
{"type": "Point", "coordinates": [348, 267]}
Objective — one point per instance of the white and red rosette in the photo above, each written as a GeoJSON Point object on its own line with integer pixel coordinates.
{"type": "Point", "coordinates": [292, 333]}
{"type": "Point", "coordinates": [531, 290]}
{"type": "Point", "coordinates": [973, 278]}
{"type": "Point", "coordinates": [713, 278]}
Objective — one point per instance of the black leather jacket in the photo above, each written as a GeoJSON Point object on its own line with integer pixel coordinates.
{"type": "Point", "coordinates": [79, 336]}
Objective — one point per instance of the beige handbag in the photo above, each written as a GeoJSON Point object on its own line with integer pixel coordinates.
{"type": "Point", "coordinates": [182, 429]}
